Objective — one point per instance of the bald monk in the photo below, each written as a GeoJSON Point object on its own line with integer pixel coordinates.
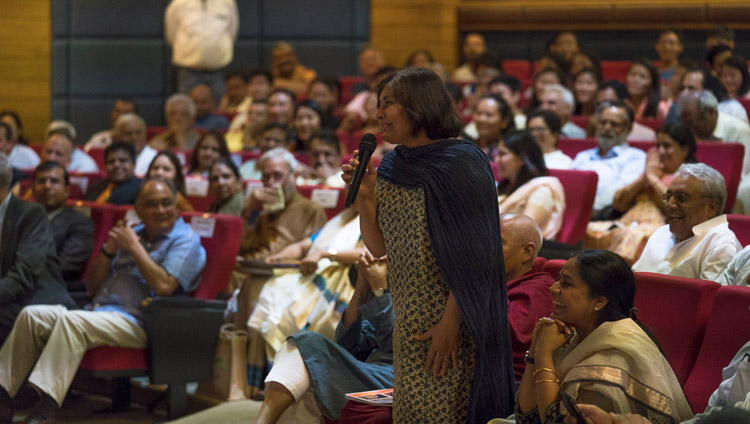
{"type": "Point", "coordinates": [528, 291]}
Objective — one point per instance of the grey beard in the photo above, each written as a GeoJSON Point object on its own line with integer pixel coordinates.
{"type": "Point", "coordinates": [606, 143]}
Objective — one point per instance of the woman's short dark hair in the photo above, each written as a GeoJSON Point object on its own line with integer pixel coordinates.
{"type": "Point", "coordinates": [310, 104]}
{"type": "Point", "coordinates": [550, 119]}
{"type": "Point", "coordinates": [738, 62]}
{"type": "Point", "coordinates": [619, 88]}
{"type": "Point", "coordinates": [179, 177]}
{"type": "Point", "coordinates": [505, 111]}
{"type": "Point", "coordinates": [523, 145]}
{"type": "Point", "coordinates": [428, 106]}
{"type": "Point", "coordinates": [654, 92]}
{"type": "Point", "coordinates": [683, 136]}
{"type": "Point", "coordinates": [229, 163]}
{"type": "Point", "coordinates": [223, 149]}
{"type": "Point", "coordinates": [608, 275]}
{"type": "Point", "coordinates": [715, 51]}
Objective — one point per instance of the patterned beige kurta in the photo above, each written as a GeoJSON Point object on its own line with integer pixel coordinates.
{"type": "Point", "coordinates": [420, 294]}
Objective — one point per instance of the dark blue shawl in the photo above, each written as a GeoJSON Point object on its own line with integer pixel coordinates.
{"type": "Point", "coordinates": [464, 227]}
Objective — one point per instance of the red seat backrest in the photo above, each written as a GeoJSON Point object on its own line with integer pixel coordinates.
{"type": "Point", "coordinates": [740, 224]}
{"type": "Point", "coordinates": [97, 153]}
{"type": "Point", "coordinates": [102, 216]}
{"type": "Point", "coordinates": [539, 263]}
{"type": "Point", "coordinates": [346, 84]}
{"type": "Point", "coordinates": [553, 267]}
{"type": "Point", "coordinates": [615, 69]}
{"type": "Point", "coordinates": [574, 146]}
{"type": "Point", "coordinates": [520, 69]}
{"type": "Point", "coordinates": [310, 193]}
{"type": "Point", "coordinates": [580, 120]}
{"type": "Point", "coordinates": [200, 202]}
{"type": "Point", "coordinates": [746, 104]}
{"type": "Point", "coordinates": [678, 325]}
{"type": "Point", "coordinates": [653, 123]}
{"type": "Point", "coordinates": [727, 330]}
{"type": "Point", "coordinates": [580, 190]}
{"type": "Point", "coordinates": [727, 159]}
{"type": "Point", "coordinates": [355, 136]}
{"type": "Point", "coordinates": [221, 250]}
{"type": "Point", "coordinates": [152, 132]}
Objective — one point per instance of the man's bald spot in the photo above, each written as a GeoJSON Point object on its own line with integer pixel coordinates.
{"type": "Point", "coordinates": [521, 228]}
{"type": "Point", "coordinates": [201, 89]}
{"type": "Point", "coordinates": [155, 185]}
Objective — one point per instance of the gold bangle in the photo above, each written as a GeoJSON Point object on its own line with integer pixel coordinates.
{"type": "Point", "coordinates": [557, 380]}
{"type": "Point", "coordinates": [545, 369]}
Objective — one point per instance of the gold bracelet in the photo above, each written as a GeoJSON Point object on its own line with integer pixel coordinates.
{"type": "Point", "coordinates": [557, 380]}
{"type": "Point", "coordinates": [545, 369]}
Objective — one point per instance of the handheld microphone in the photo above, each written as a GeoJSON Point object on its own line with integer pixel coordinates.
{"type": "Point", "coordinates": [367, 145]}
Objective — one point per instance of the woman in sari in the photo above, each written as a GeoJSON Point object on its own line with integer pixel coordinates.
{"type": "Point", "coordinates": [592, 350]}
{"type": "Point", "coordinates": [641, 201]}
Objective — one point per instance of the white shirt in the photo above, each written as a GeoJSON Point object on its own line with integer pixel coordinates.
{"type": "Point", "coordinates": [734, 109]}
{"type": "Point", "coordinates": [571, 130]}
{"type": "Point", "coordinates": [520, 120]}
{"type": "Point", "coordinates": [558, 160]}
{"type": "Point", "coordinates": [732, 130]}
{"type": "Point", "coordinates": [738, 270]}
{"type": "Point", "coordinates": [81, 162]}
{"type": "Point", "coordinates": [23, 157]}
{"type": "Point", "coordinates": [705, 255]}
{"type": "Point", "coordinates": [101, 139]}
{"type": "Point", "coordinates": [143, 161]}
{"type": "Point", "coordinates": [619, 167]}
{"type": "Point", "coordinates": [201, 32]}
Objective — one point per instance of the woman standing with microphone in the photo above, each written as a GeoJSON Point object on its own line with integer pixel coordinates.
{"type": "Point", "coordinates": [431, 207]}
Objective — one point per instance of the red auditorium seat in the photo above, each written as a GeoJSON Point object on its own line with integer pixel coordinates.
{"type": "Point", "coordinates": [746, 104]}
{"type": "Point", "coordinates": [539, 263]}
{"type": "Point", "coordinates": [678, 325]}
{"type": "Point", "coordinates": [653, 123]}
{"type": "Point", "coordinates": [246, 155]}
{"type": "Point", "coordinates": [580, 120]}
{"type": "Point", "coordinates": [553, 267]}
{"type": "Point", "coordinates": [312, 192]}
{"type": "Point", "coordinates": [574, 146]}
{"type": "Point", "coordinates": [102, 216]}
{"type": "Point", "coordinates": [201, 200]}
{"type": "Point", "coordinates": [520, 69]}
{"type": "Point", "coordinates": [98, 155]}
{"type": "Point", "coordinates": [220, 236]}
{"type": "Point", "coordinates": [740, 224]}
{"type": "Point", "coordinates": [727, 159]}
{"type": "Point", "coordinates": [580, 190]}
{"type": "Point", "coordinates": [152, 132]}
{"type": "Point", "coordinates": [346, 84]}
{"type": "Point", "coordinates": [727, 330]}
{"type": "Point", "coordinates": [615, 69]}
{"type": "Point", "coordinates": [355, 136]}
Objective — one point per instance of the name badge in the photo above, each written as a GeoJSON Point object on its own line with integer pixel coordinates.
{"type": "Point", "coordinates": [326, 198]}
{"type": "Point", "coordinates": [196, 187]}
{"type": "Point", "coordinates": [204, 227]}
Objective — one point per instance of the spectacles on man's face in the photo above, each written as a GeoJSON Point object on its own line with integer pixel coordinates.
{"type": "Point", "coordinates": [538, 130]}
{"type": "Point", "coordinates": [679, 197]}
{"type": "Point", "coordinates": [165, 202]}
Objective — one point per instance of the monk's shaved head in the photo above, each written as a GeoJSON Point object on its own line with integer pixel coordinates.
{"type": "Point", "coordinates": [522, 240]}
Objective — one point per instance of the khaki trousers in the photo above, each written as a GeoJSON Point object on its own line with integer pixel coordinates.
{"type": "Point", "coordinates": [49, 341]}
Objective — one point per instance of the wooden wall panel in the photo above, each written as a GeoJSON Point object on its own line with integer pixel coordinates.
{"type": "Point", "coordinates": [25, 62]}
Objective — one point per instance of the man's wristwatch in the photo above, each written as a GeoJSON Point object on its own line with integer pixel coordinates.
{"type": "Point", "coordinates": [528, 359]}
{"type": "Point", "coordinates": [332, 254]}
{"type": "Point", "coordinates": [380, 292]}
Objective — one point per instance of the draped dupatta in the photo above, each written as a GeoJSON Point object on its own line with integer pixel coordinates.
{"type": "Point", "coordinates": [464, 228]}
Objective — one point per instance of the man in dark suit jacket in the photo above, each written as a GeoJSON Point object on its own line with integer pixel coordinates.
{"type": "Point", "coordinates": [73, 232]}
{"type": "Point", "coordinates": [121, 186]}
{"type": "Point", "coordinates": [29, 269]}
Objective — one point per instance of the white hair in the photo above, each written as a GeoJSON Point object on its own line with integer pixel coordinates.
{"type": "Point", "coordinates": [63, 127]}
{"type": "Point", "coordinates": [126, 117]}
{"type": "Point", "coordinates": [714, 186]}
{"type": "Point", "coordinates": [180, 97]}
{"type": "Point", "coordinates": [707, 101]}
{"type": "Point", "coordinates": [565, 94]}
{"type": "Point", "coordinates": [280, 153]}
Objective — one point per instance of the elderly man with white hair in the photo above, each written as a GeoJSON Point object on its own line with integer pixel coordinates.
{"type": "Point", "coordinates": [131, 129]}
{"type": "Point", "coordinates": [61, 147]}
{"type": "Point", "coordinates": [560, 101]}
{"type": "Point", "coordinates": [696, 242]}
{"type": "Point", "coordinates": [179, 111]}
{"type": "Point", "coordinates": [699, 112]}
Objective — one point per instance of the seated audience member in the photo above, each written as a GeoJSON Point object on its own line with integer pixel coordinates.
{"type": "Point", "coordinates": [611, 91]}
{"type": "Point", "coordinates": [559, 100]}
{"type": "Point", "coordinates": [287, 71]}
{"type": "Point", "coordinates": [325, 161]}
{"type": "Point", "coordinates": [590, 346]}
{"type": "Point", "coordinates": [370, 61]}
{"type": "Point", "coordinates": [473, 47]}
{"type": "Point", "coordinates": [524, 185]}
{"type": "Point", "coordinates": [226, 185]}
{"type": "Point", "coordinates": [19, 155]}
{"type": "Point", "coordinates": [210, 147]}
{"type": "Point", "coordinates": [696, 242]}
{"type": "Point", "coordinates": [566, 44]}
{"type": "Point", "coordinates": [528, 290]}
{"type": "Point", "coordinates": [716, 57]}
{"type": "Point", "coordinates": [544, 126]}
{"type": "Point", "coordinates": [695, 80]}
{"type": "Point", "coordinates": [281, 106]}
{"type": "Point", "coordinates": [161, 257]}
{"type": "Point", "coordinates": [167, 167]}
{"type": "Point", "coordinates": [277, 213]}
{"type": "Point", "coordinates": [29, 268]}
{"type": "Point", "coordinates": [644, 90]}
{"type": "Point", "coordinates": [489, 69]}
{"type": "Point", "coordinates": [236, 99]}
{"type": "Point", "coordinates": [585, 85]}
{"type": "Point", "coordinates": [734, 77]}
{"type": "Point", "coordinates": [719, 34]}
{"type": "Point", "coordinates": [259, 84]}
{"type": "Point", "coordinates": [273, 135]}
{"type": "Point", "coordinates": [131, 129]}
{"type": "Point", "coordinates": [493, 121]}
{"type": "Point", "coordinates": [641, 201]}
{"type": "Point", "coordinates": [422, 58]}
{"type": "Point", "coordinates": [509, 88]}
{"type": "Point", "coordinates": [205, 118]}
{"type": "Point", "coordinates": [246, 127]}
{"type": "Point", "coordinates": [73, 232]}
{"type": "Point", "coordinates": [669, 48]}
{"type": "Point", "coordinates": [12, 118]}
{"type": "Point", "coordinates": [179, 111]}
{"type": "Point", "coordinates": [737, 272]}
{"type": "Point", "coordinates": [326, 91]}
{"type": "Point", "coordinates": [311, 299]}
{"type": "Point", "coordinates": [699, 112]}
{"type": "Point", "coordinates": [311, 373]}
{"type": "Point", "coordinates": [59, 148]}
{"type": "Point", "coordinates": [616, 163]}
{"type": "Point", "coordinates": [583, 59]}
{"type": "Point", "coordinates": [121, 185]}
{"type": "Point", "coordinates": [356, 111]}
{"type": "Point", "coordinates": [104, 138]}
{"type": "Point", "coordinates": [308, 119]}
{"type": "Point", "coordinates": [79, 160]}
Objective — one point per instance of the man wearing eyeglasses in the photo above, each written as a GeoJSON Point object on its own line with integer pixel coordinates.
{"type": "Point", "coordinates": [161, 257]}
{"type": "Point", "coordinates": [696, 242]}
